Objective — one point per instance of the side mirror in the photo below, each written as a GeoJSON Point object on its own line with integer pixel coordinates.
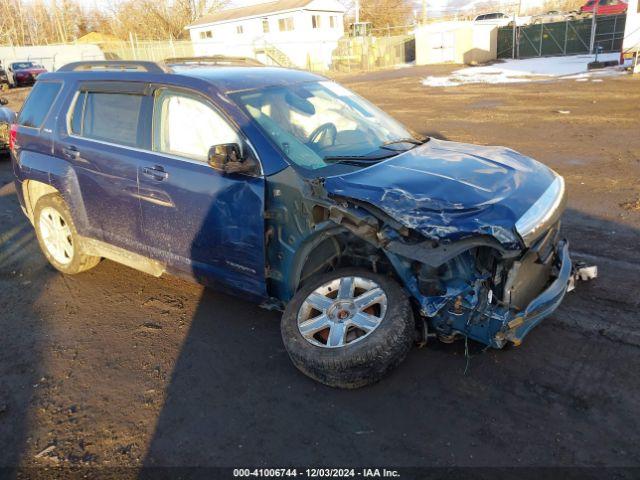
{"type": "Point", "coordinates": [220, 155]}
{"type": "Point", "coordinates": [227, 157]}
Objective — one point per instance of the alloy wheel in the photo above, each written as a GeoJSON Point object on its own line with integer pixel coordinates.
{"type": "Point", "coordinates": [342, 312]}
{"type": "Point", "coordinates": [56, 235]}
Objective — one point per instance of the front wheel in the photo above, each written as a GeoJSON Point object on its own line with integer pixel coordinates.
{"type": "Point", "coordinates": [348, 328]}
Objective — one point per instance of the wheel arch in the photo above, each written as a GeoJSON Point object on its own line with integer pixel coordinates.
{"type": "Point", "coordinates": [334, 243]}
{"type": "Point", "coordinates": [56, 177]}
{"type": "Point", "coordinates": [34, 190]}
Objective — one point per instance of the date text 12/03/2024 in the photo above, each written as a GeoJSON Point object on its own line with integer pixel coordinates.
{"type": "Point", "coordinates": [316, 473]}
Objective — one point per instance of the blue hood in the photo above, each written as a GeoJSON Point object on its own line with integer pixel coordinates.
{"type": "Point", "coordinates": [451, 190]}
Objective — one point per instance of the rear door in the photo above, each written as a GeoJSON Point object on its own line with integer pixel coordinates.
{"type": "Point", "coordinates": [200, 220]}
{"type": "Point", "coordinates": [106, 129]}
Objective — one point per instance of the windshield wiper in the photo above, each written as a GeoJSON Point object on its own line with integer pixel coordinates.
{"type": "Point", "coordinates": [412, 141]}
{"type": "Point", "coordinates": [403, 140]}
{"type": "Point", "coordinates": [356, 158]}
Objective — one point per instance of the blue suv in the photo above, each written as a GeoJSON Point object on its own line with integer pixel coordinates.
{"type": "Point", "coordinates": [289, 190]}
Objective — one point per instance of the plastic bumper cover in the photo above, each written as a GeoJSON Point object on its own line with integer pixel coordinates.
{"type": "Point", "coordinates": [544, 304]}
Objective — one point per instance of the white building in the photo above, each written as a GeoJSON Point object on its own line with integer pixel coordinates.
{"type": "Point", "coordinates": [631, 43]}
{"type": "Point", "coordinates": [456, 42]}
{"type": "Point", "coordinates": [299, 33]}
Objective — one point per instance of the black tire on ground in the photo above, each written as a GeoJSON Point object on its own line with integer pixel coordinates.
{"type": "Point", "coordinates": [365, 361]}
{"type": "Point", "coordinates": [80, 261]}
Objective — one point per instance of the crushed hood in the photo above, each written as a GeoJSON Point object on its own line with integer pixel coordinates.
{"type": "Point", "coordinates": [450, 190]}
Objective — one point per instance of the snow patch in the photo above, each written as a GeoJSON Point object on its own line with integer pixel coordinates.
{"type": "Point", "coordinates": [528, 70]}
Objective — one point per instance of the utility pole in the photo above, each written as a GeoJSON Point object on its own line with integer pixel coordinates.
{"type": "Point", "coordinates": [594, 27]}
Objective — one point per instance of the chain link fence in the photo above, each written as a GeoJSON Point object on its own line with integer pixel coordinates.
{"type": "Point", "coordinates": [384, 48]}
{"type": "Point", "coordinates": [562, 38]}
{"type": "Point", "coordinates": [372, 53]}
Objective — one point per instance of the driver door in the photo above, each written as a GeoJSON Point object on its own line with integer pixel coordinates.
{"type": "Point", "coordinates": [198, 219]}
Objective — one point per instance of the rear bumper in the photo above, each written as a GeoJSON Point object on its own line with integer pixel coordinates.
{"type": "Point", "coordinates": [544, 304]}
{"type": "Point", "coordinates": [20, 194]}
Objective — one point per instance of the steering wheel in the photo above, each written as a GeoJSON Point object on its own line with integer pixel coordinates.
{"type": "Point", "coordinates": [325, 131]}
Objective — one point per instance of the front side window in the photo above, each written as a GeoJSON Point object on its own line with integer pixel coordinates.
{"type": "Point", "coordinates": [109, 117]}
{"type": "Point", "coordinates": [187, 126]}
{"type": "Point", "coordinates": [318, 123]}
{"type": "Point", "coordinates": [38, 104]}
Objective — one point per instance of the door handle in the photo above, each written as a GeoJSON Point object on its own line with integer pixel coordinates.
{"type": "Point", "coordinates": [71, 152]}
{"type": "Point", "coordinates": [157, 173]}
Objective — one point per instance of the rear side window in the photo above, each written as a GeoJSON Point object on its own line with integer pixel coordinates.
{"type": "Point", "coordinates": [111, 117]}
{"type": "Point", "coordinates": [38, 104]}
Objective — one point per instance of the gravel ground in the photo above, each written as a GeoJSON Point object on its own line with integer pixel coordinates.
{"type": "Point", "coordinates": [117, 368]}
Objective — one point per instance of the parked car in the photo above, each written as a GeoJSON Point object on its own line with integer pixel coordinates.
{"type": "Point", "coordinates": [7, 118]}
{"type": "Point", "coordinates": [22, 74]}
{"type": "Point", "coordinates": [289, 190]}
{"type": "Point", "coordinates": [494, 18]}
{"type": "Point", "coordinates": [604, 7]}
{"type": "Point", "coordinates": [550, 17]}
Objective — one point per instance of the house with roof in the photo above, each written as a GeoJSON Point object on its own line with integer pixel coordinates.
{"type": "Point", "coordinates": [292, 33]}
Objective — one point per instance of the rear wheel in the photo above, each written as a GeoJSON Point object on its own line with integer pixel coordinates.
{"type": "Point", "coordinates": [348, 328]}
{"type": "Point", "coordinates": [58, 238]}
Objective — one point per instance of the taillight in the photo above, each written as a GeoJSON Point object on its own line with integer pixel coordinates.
{"type": "Point", "coordinates": [12, 135]}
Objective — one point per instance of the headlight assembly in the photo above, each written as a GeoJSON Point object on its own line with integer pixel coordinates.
{"type": "Point", "coordinates": [543, 213]}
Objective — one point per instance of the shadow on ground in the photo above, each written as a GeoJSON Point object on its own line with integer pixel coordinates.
{"type": "Point", "coordinates": [235, 400]}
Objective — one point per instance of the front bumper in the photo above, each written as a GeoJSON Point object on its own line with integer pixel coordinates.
{"type": "Point", "coordinates": [544, 304]}
{"type": "Point", "coordinates": [469, 311]}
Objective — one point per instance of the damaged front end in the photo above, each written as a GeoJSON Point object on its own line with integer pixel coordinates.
{"type": "Point", "coordinates": [481, 254]}
{"type": "Point", "coordinates": [487, 297]}
{"type": "Point", "coordinates": [474, 287]}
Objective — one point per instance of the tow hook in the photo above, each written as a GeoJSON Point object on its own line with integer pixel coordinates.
{"type": "Point", "coordinates": [582, 272]}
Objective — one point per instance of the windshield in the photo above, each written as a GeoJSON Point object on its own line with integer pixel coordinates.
{"type": "Point", "coordinates": [23, 65]}
{"type": "Point", "coordinates": [320, 123]}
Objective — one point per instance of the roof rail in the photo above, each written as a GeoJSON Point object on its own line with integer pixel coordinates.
{"type": "Point", "coordinates": [111, 65]}
{"type": "Point", "coordinates": [214, 60]}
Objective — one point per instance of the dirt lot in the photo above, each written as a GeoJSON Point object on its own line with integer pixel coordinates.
{"type": "Point", "coordinates": [116, 368]}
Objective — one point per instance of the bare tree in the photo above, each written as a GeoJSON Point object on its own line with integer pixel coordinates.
{"type": "Point", "coordinates": [41, 22]}
{"type": "Point", "coordinates": [384, 13]}
{"type": "Point", "coordinates": [159, 19]}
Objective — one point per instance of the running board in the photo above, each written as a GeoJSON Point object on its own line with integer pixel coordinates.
{"type": "Point", "coordinates": [91, 246]}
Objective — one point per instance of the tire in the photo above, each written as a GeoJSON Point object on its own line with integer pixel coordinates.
{"type": "Point", "coordinates": [363, 360]}
{"type": "Point", "coordinates": [69, 259]}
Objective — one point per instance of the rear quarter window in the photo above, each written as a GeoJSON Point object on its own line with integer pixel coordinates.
{"type": "Point", "coordinates": [38, 104]}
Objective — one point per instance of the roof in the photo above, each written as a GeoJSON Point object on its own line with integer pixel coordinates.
{"type": "Point", "coordinates": [257, 10]}
{"type": "Point", "coordinates": [229, 79]}
{"type": "Point", "coordinates": [223, 78]}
